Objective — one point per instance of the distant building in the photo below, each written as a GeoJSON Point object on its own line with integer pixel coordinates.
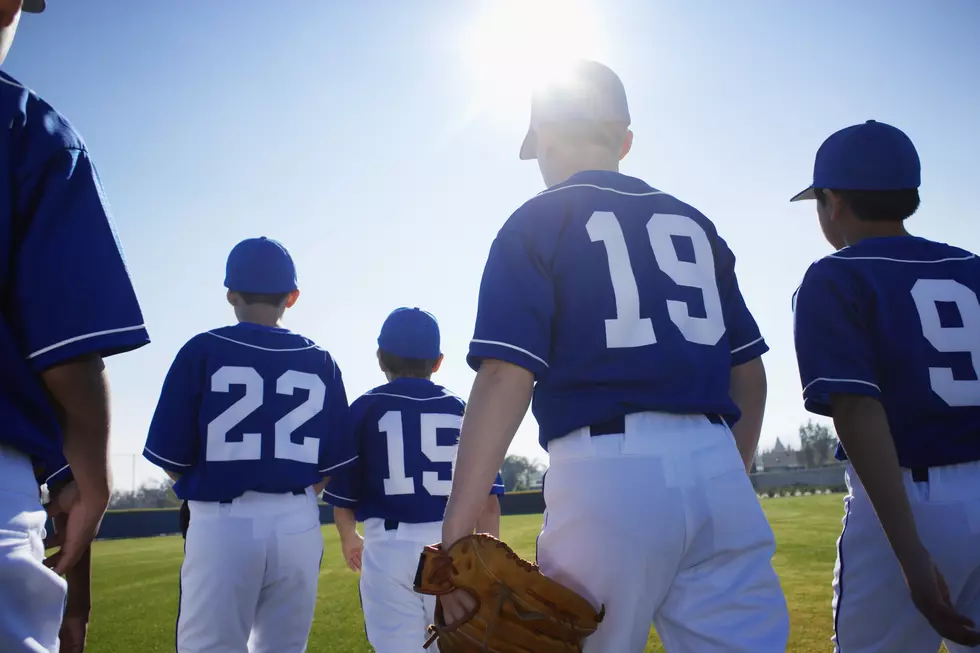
{"type": "Point", "coordinates": [778, 458]}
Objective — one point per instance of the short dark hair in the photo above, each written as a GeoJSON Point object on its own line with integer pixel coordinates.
{"type": "Point", "coordinates": [877, 205]}
{"type": "Point", "coordinates": [415, 367]}
{"type": "Point", "coordinates": [275, 299]}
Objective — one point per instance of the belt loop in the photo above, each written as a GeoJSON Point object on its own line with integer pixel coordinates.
{"type": "Point", "coordinates": [920, 474]}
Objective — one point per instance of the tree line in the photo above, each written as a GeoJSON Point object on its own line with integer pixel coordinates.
{"type": "Point", "coordinates": [152, 494]}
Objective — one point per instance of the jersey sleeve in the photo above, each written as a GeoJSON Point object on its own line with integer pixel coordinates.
{"type": "Point", "coordinates": [744, 337]}
{"type": "Point", "coordinates": [516, 305]}
{"type": "Point", "coordinates": [833, 348]}
{"type": "Point", "coordinates": [498, 485]}
{"type": "Point", "coordinates": [344, 487]}
{"type": "Point", "coordinates": [72, 293]}
{"type": "Point", "coordinates": [339, 448]}
{"type": "Point", "coordinates": [172, 442]}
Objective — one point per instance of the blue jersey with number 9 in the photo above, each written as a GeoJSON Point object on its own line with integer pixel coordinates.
{"type": "Point", "coordinates": [250, 408]}
{"type": "Point", "coordinates": [407, 432]}
{"type": "Point", "coordinates": [897, 319]}
{"type": "Point", "coordinates": [620, 299]}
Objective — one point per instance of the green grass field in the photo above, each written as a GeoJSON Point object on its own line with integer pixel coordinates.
{"type": "Point", "coordinates": [135, 583]}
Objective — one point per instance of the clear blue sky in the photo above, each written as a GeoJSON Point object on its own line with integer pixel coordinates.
{"type": "Point", "coordinates": [365, 142]}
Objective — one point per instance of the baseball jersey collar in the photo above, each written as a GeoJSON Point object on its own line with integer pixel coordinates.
{"type": "Point", "coordinates": [252, 326]}
{"type": "Point", "coordinates": [608, 179]}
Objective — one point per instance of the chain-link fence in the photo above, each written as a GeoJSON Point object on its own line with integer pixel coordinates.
{"type": "Point", "coordinates": [130, 471]}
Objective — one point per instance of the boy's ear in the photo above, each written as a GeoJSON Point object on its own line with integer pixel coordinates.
{"type": "Point", "coordinates": [435, 368]}
{"type": "Point", "coordinates": [231, 297]}
{"type": "Point", "coordinates": [627, 145]}
{"type": "Point", "coordinates": [381, 363]}
{"type": "Point", "coordinates": [292, 298]}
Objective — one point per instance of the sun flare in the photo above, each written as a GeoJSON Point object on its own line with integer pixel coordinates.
{"type": "Point", "coordinates": [511, 45]}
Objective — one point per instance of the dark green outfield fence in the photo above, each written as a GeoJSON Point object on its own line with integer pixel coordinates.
{"type": "Point", "coordinates": [124, 524]}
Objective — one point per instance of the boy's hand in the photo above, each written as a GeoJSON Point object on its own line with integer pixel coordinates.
{"type": "Point", "coordinates": [931, 596]}
{"type": "Point", "coordinates": [456, 606]}
{"type": "Point", "coordinates": [77, 521]}
{"type": "Point", "coordinates": [353, 548]}
{"type": "Point", "coordinates": [78, 604]}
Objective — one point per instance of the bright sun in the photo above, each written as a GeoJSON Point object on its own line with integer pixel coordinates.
{"type": "Point", "coordinates": [513, 44]}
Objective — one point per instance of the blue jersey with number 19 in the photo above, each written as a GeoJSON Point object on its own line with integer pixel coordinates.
{"type": "Point", "coordinates": [620, 299]}
{"type": "Point", "coordinates": [64, 288]}
{"type": "Point", "coordinates": [897, 319]}
{"type": "Point", "coordinates": [250, 408]}
{"type": "Point", "coordinates": [408, 430]}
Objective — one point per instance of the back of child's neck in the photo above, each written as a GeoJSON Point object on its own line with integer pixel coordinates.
{"type": "Point", "coordinates": [394, 377]}
{"type": "Point", "coordinates": [272, 324]}
{"type": "Point", "coordinates": [878, 230]}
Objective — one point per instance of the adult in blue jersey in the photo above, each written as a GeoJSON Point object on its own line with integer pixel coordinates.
{"type": "Point", "coordinates": [407, 431]}
{"type": "Point", "coordinates": [617, 307]}
{"type": "Point", "coordinates": [67, 302]}
{"type": "Point", "coordinates": [251, 420]}
{"type": "Point", "coordinates": [888, 344]}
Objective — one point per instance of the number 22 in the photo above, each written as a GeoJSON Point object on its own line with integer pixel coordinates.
{"type": "Point", "coordinates": [250, 448]}
{"type": "Point", "coordinates": [628, 329]}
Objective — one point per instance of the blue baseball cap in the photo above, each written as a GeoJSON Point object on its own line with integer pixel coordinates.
{"type": "Point", "coordinates": [589, 92]}
{"type": "Point", "coordinates": [262, 266]}
{"type": "Point", "coordinates": [869, 156]}
{"type": "Point", "coordinates": [410, 333]}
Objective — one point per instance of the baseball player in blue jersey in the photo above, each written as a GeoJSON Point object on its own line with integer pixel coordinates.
{"type": "Point", "coordinates": [67, 302]}
{"type": "Point", "coordinates": [251, 417]}
{"type": "Point", "coordinates": [888, 342]}
{"type": "Point", "coordinates": [407, 432]}
{"type": "Point", "coordinates": [616, 306]}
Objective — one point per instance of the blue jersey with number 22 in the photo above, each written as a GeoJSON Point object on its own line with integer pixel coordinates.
{"type": "Point", "coordinates": [897, 319]}
{"type": "Point", "coordinates": [250, 408]}
{"type": "Point", "coordinates": [407, 431]}
{"type": "Point", "coordinates": [620, 299]}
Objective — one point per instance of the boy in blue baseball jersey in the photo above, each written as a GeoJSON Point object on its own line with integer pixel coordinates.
{"type": "Point", "coordinates": [617, 307]}
{"type": "Point", "coordinates": [251, 417]}
{"type": "Point", "coordinates": [888, 342]}
{"type": "Point", "coordinates": [407, 431]}
{"type": "Point", "coordinates": [67, 303]}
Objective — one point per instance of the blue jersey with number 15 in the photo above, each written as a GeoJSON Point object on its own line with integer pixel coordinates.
{"type": "Point", "coordinates": [407, 431]}
{"type": "Point", "coordinates": [897, 319]}
{"type": "Point", "coordinates": [250, 408]}
{"type": "Point", "coordinates": [620, 299]}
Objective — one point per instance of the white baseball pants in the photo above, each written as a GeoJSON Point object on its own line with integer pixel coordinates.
{"type": "Point", "coordinates": [661, 525]}
{"type": "Point", "coordinates": [249, 578]}
{"type": "Point", "coordinates": [395, 616]}
{"type": "Point", "coordinates": [873, 610]}
{"type": "Point", "coordinates": [32, 597]}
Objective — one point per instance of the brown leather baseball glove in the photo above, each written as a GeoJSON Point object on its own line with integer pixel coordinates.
{"type": "Point", "coordinates": [518, 609]}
